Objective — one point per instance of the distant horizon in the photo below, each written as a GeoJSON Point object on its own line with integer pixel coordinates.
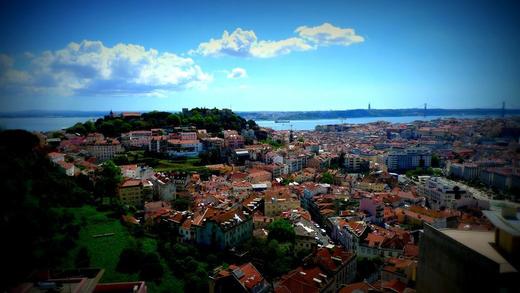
{"type": "Point", "coordinates": [256, 111]}
{"type": "Point", "coordinates": [44, 120]}
{"type": "Point", "coordinates": [285, 115]}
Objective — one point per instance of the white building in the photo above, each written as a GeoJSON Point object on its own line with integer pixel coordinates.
{"type": "Point", "coordinates": [164, 187]}
{"type": "Point", "coordinates": [136, 139]}
{"type": "Point", "coordinates": [105, 149]}
{"type": "Point", "coordinates": [408, 159]}
{"type": "Point", "coordinates": [441, 192]}
{"type": "Point", "coordinates": [183, 148]}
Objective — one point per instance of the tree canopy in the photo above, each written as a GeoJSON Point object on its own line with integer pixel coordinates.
{"type": "Point", "coordinates": [327, 178]}
{"type": "Point", "coordinates": [213, 120]}
{"type": "Point", "coordinates": [38, 231]}
{"type": "Point", "coordinates": [281, 230]}
{"type": "Point", "coordinates": [108, 179]}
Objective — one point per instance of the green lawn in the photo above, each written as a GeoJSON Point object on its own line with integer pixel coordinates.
{"type": "Point", "coordinates": [187, 165]}
{"type": "Point", "coordinates": [104, 251]}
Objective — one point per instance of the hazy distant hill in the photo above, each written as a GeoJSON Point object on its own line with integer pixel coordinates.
{"type": "Point", "coordinates": [53, 113]}
{"type": "Point", "coordinates": [290, 115]}
{"type": "Point", "coordinates": [334, 114]}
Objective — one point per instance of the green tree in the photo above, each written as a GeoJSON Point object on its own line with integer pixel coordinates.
{"type": "Point", "coordinates": [367, 266]}
{"type": "Point", "coordinates": [82, 259]}
{"type": "Point", "coordinates": [151, 268]}
{"type": "Point", "coordinates": [327, 178]}
{"type": "Point", "coordinates": [182, 203]}
{"type": "Point", "coordinates": [286, 181]}
{"type": "Point", "coordinates": [130, 260]}
{"type": "Point", "coordinates": [33, 196]}
{"type": "Point", "coordinates": [435, 161]}
{"type": "Point", "coordinates": [89, 126]}
{"type": "Point", "coordinates": [121, 160]}
{"type": "Point", "coordinates": [341, 160]}
{"type": "Point", "coordinates": [281, 230]}
{"type": "Point", "coordinates": [174, 120]}
{"type": "Point", "coordinates": [108, 179]}
{"type": "Point", "coordinates": [77, 128]}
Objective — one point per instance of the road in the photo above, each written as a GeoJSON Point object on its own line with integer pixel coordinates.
{"type": "Point", "coordinates": [323, 237]}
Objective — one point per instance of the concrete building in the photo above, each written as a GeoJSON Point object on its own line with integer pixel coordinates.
{"type": "Point", "coordinates": [305, 240]}
{"type": "Point", "coordinates": [233, 140]}
{"type": "Point", "coordinates": [69, 168]}
{"type": "Point", "coordinates": [355, 163]}
{"type": "Point", "coordinates": [158, 144]}
{"type": "Point", "coordinates": [295, 164]}
{"type": "Point", "coordinates": [136, 139]}
{"type": "Point", "coordinates": [183, 148]}
{"type": "Point", "coordinates": [468, 171]}
{"type": "Point", "coordinates": [507, 232]}
{"type": "Point", "coordinates": [105, 149]}
{"type": "Point", "coordinates": [134, 171]}
{"type": "Point", "coordinates": [80, 280]}
{"type": "Point", "coordinates": [417, 215]}
{"type": "Point", "coordinates": [56, 157]}
{"type": "Point", "coordinates": [328, 269]}
{"type": "Point", "coordinates": [348, 233]}
{"type": "Point", "coordinates": [442, 193]}
{"type": "Point", "coordinates": [408, 159]}
{"type": "Point", "coordinates": [310, 190]}
{"type": "Point", "coordinates": [453, 260]}
{"type": "Point", "coordinates": [131, 192]}
{"type": "Point", "coordinates": [374, 206]}
{"type": "Point", "coordinates": [222, 229]}
{"type": "Point", "coordinates": [164, 187]}
{"type": "Point", "coordinates": [244, 278]}
{"type": "Point", "coordinates": [279, 200]}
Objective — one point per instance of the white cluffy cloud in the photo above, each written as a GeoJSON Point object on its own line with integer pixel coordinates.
{"type": "Point", "coordinates": [237, 73]}
{"type": "Point", "coordinates": [244, 43]}
{"type": "Point", "coordinates": [91, 68]}
{"type": "Point", "coordinates": [327, 34]}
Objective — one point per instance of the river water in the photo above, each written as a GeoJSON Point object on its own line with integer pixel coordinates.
{"type": "Point", "coordinates": [56, 123]}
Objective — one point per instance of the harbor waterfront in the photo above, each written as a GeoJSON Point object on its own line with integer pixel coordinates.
{"type": "Point", "coordinates": [310, 124]}
{"type": "Point", "coordinates": [57, 123]}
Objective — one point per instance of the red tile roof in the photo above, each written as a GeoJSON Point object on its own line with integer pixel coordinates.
{"type": "Point", "coordinates": [394, 285]}
{"type": "Point", "coordinates": [357, 287]}
{"type": "Point", "coordinates": [131, 183]}
{"type": "Point", "coordinates": [332, 259]}
{"type": "Point", "coordinates": [251, 277]}
{"type": "Point", "coordinates": [301, 280]}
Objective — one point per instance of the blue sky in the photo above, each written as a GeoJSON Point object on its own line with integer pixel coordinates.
{"type": "Point", "coordinates": [295, 55]}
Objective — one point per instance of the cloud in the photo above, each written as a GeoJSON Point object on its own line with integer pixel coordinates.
{"type": "Point", "coordinates": [244, 43]}
{"type": "Point", "coordinates": [238, 43]}
{"type": "Point", "coordinates": [268, 49]}
{"type": "Point", "coordinates": [327, 34]}
{"type": "Point", "coordinates": [237, 73]}
{"type": "Point", "coordinates": [91, 68]}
